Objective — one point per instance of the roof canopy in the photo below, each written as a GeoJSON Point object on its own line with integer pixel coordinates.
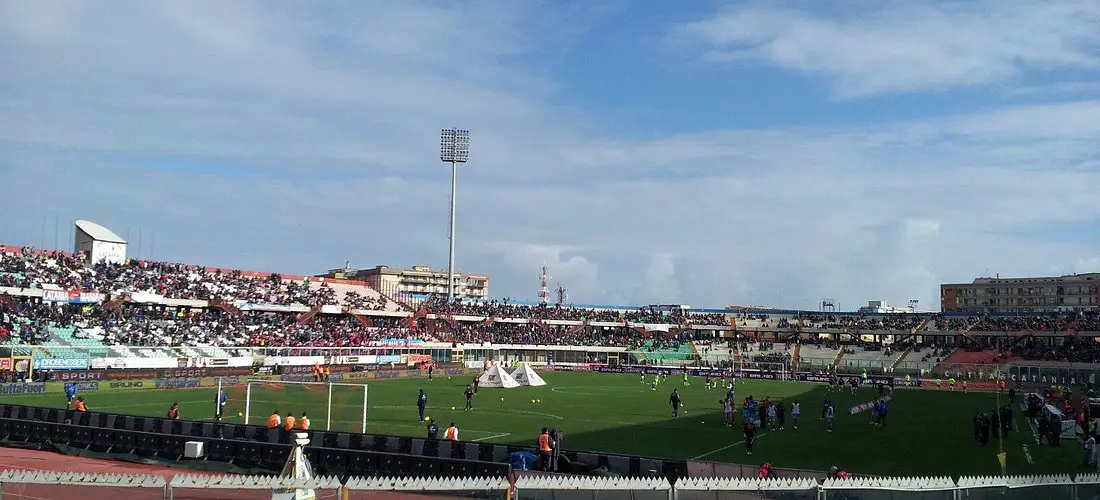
{"type": "Point", "coordinates": [98, 232]}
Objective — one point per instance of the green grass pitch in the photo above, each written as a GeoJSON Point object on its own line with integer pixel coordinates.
{"type": "Point", "coordinates": [929, 432]}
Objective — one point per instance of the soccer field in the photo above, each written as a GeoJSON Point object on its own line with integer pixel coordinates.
{"type": "Point", "coordinates": [929, 432]}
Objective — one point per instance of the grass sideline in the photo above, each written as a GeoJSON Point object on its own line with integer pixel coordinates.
{"type": "Point", "coordinates": [929, 431]}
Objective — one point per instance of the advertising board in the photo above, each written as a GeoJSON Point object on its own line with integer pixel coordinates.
{"type": "Point", "coordinates": [5, 363]}
{"type": "Point", "coordinates": [126, 385]}
{"type": "Point", "coordinates": [71, 296]}
{"type": "Point", "coordinates": [85, 386]}
{"type": "Point", "coordinates": [22, 388]}
{"type": "Point", "coordinates": [387, 359]}
{"type": "Point", "coordinates": [177, 383]}
{"type": "Point", "coordinates": [61, 363]}
{"type": "Point", "coordinates": [78, 375]}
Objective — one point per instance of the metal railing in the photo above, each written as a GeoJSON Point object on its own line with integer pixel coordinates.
{"type": "Point", "coordinates": [40, 484]}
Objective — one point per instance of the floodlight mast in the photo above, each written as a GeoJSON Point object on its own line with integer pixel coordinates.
{"type": "Point", "coordinates": [454, 148]}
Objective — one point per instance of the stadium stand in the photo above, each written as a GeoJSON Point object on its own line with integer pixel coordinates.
{"type": "Point", "coordinates": [314, 312]}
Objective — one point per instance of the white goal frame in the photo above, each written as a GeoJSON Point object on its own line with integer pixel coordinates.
{"type": "Point", "coordinates": [328, 407]}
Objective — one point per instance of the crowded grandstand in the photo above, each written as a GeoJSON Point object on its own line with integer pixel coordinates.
{"type": "Point", "coordinates": [195, 309]}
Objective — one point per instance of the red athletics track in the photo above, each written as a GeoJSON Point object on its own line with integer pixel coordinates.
{"type": "Point", "coordinates": [12, 458]}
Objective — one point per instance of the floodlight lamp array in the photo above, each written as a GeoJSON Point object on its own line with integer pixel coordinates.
{"type": "Point", "coordinates": [454, 145]}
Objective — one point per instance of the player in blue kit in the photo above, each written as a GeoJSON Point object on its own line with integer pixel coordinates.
{"type": "Point", "coordinates": [70, 394]}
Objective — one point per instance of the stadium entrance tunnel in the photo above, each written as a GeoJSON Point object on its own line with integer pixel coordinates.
{"type": "Point", "coordinates": [244, 448]}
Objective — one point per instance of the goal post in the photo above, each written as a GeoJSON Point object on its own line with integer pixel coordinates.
{"type": "Point", "coordinates": [344, 405]}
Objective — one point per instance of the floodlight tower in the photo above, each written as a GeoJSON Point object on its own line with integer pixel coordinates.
{"type": "Point", "coordinates": [544, 284]}
{"type": "Point", "coordinates": [454, 148]}
{"type": "Point", "coordinates": [563, 294]}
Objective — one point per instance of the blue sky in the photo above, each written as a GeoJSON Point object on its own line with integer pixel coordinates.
{"type": "Point", "coordinates": [709, 153]}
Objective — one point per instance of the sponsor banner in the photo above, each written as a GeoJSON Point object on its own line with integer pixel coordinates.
{"type": "Point", "coordinates": [368, 359]}
{"type": "Point", "coordinates": [576, 367]}
{"type": "Point", "coordinates": [203, 372]}
{"type": "Point", "coordinates": [85, 386]}
{"type": "Point", "coordinates": [287, 370]}
{"type": "Point", "coordinates": [5, 363]}
{"type": "Point", "coordinates": [356, 376]}
{"type": "Point", "coordinates": [22, 388]}
{"type": "Point", "coordinates": [177, 383]}
{"type": "Point", "coordinates": [132, 374]}
{"type": "Point", "coordinates": [217, 362]}
{"type": "Point", "coordinates": [226, 381]}
{"type": "Point", "coordinates": [146, 298]}
{"type": "Point", "coordinates": [61, 364]}
{"type": "Point", "coordinates": [135, 363]}
{"type": "Point", "coordinates": [390, 374]}
{"type": "Point", "coordinates": [294, 360]}
{"type": "Point", "coordinates": [860, 408]}
{"type": "Point", "coordinates": [252, 306]}
{"type": "Point", "coordinates": [79, 375]}
{"type": "Point", "coordinates": [71, 296]}
{"type": "Point", "coordinates": [455, 371]}
{"type": "Point", "coordinates": [396, 342]}
{"type": "Point", "coordinates": [387, 359]}
{"type": "Point", "coordinates": [417, 358]}
{"type": "Point", "coordinates": [297, 377]}
{"type": "Point", "coordinates": [126, 385]}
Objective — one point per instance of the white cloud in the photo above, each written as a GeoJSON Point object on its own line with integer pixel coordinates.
{"type": "Point", "coordinates": [108, 113]}
{"type": "Point", "coordinates": [868, 48]}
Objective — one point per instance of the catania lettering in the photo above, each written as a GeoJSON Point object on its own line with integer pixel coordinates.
{"type": "Point", "coordinates": [22, 388]}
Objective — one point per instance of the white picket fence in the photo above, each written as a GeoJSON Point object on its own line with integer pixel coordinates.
{"type": "Point", "coordinates": [538, 487]}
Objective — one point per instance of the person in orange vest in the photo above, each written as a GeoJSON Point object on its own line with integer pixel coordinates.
{"type": "Point", "coordinates": [328, 372]}
{"type": "Point", "coordinates": [288, 425]}
{"type": "Point", "coordinates": [545, 449]}
{"type": "Point", "coordinates": [80, 406]}
{"type": "Point", "coordinates": [317, 373]}
{"type": "Point", "coordinates": [303, 423]}
{"type": "Point", "coordinates": [274, 420]}
{"type": "Point", "coordinates": [174, 411]}
{"type": "Point", "coordinates": [451, 434]}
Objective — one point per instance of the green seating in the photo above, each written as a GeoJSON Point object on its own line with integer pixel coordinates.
{"type": "Point", "coordinates": [681, 353]}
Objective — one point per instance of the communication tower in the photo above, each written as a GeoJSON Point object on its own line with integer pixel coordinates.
{"type": "Point", "coordinates": [544, 286]}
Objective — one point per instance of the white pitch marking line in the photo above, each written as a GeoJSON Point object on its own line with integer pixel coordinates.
{"type": "Point", "coordinates": [724, 448]}
{"type": "Point", "coordinates": [491, 437]}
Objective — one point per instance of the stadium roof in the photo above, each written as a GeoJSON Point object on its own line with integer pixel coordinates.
{"type": "Point", "coordinates": [98, 232]}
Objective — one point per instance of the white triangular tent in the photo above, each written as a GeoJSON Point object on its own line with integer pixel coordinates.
{"type": "Point", "coordinates": [495, 377]}
{"type": "Point", "coordinates": [525, 375]}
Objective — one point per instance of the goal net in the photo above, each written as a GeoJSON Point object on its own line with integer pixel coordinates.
{"type": "Point", "coordinates": [330, 406]}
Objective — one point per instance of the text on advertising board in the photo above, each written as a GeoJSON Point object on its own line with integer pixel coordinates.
{"type": "Point", "coordinates": [387, 374]}
{"type": "Point", "coordinates": [71, 296]}
{"type": "Point", "coordinates": [5, 363]}
{"type": "Point", "coordinates": [66, 376]}
{"type": "Point", "coordinates": [85, 386]}
{"type": "Point", "coordinates": [61, 364]}
{"type": "Point", "coordinates": [127, 384]}
{"type": "Point", "coordinates": [22, 388]}
{"type": "Point", "coordinates": [179, 383]}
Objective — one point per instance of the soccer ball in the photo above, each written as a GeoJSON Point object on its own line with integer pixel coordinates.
{"type": "Point", "coordinates": [532, 401]}
{"type": "Point", "coordinates": [240, 414]}
{"type": "Point", "coordinates": [427, 419]}
{"type": "Point", "coordinates": [538, 400]}
{"type": "Point", "coordinates": [502, 399]}
{"type": "Point", "coordinates": [452, 408]}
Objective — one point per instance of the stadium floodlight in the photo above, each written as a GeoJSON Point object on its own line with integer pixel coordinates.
{"type": "Point", "coordinates": [454, 148]}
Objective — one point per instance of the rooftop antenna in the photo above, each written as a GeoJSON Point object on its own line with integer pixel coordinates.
{"type": "Point", "coordinates": [544, 283]}
{"type": "Point", "coordinates": [562, 294]}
